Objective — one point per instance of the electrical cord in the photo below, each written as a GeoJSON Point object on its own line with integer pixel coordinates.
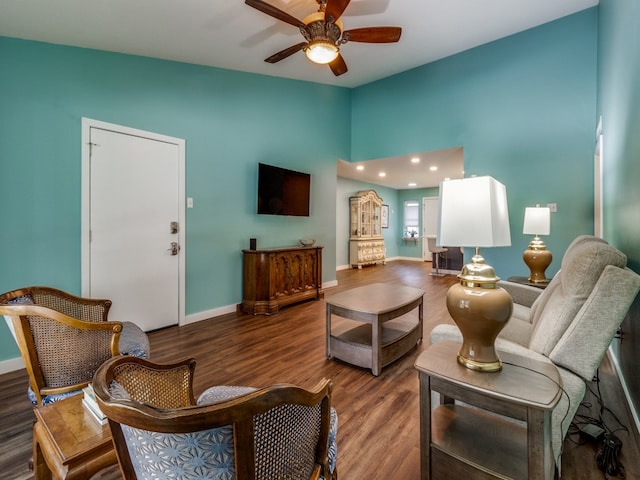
{"type": "Point", "coordinates": [609, 445]}
{"type": "Point", "coordinates": [608, 455]}
{"type": "Point", "coordinates": [604, 408]}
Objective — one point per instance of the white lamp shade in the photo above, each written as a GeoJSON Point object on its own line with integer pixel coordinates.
{"type": "Point", "coordinates": [537, 221]}
{"type": "Point", "coordinates": [474, 213]}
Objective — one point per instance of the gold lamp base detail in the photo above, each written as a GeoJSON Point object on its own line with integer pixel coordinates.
{"type": "Point", "coordinates": [480, 309]}
{"type": "Point", "coordinates": [537, 258]}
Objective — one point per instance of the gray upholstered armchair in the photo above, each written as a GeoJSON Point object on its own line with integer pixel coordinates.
{"type": "Point", "coordinates": [571, 323]}
{"type": "Point", "coordinates": [231, 433]}
{"type": "Point", "coordinates": [63, 339]}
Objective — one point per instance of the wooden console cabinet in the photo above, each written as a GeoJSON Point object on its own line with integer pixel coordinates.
{"type": "Point", "coordinates": [276, 277]}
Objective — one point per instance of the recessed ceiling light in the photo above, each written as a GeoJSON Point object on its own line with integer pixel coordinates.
{"type": "Point", "coordinates": [433, 168]}
{"type": "Point", "coordinates": [415, 160]}
{"type": "Point", "coordinates": [412, 184]}
{"type": "Point", "coordinates": [382, 174]}
{"type": "Point", "coordinates": [360, 167]}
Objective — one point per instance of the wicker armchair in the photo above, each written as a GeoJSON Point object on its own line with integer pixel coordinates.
{"type": "Point", "coordinates": [160, 430]}
{"type": "Point", "coordinates": [63, 339]}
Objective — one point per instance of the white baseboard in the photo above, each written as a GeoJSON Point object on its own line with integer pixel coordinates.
{"type": "Point", "coordinates": [389, 259]}
{"type": "Point", "coordinates": [11, 365]}
{"type": "Point", "coordinates": [625, 389]}
{"type": "Point", "coordinates": [205, 315]}
{"type": "Point", "coordinates": [216, 312]}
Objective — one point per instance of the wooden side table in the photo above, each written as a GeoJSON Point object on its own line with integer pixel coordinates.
{"type": "Point", "coordinates": [459, 441]}
{"type": "Point", "coordinates": [68, 443]}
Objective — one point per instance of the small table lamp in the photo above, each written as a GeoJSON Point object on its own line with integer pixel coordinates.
{"type": "Point", "coordinates": [474, 213]}
{"type": "Point", "coordinates": [537, 222]}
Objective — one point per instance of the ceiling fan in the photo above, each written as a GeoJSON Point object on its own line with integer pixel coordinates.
{"type": "Point", "coordinates": [324, 33]}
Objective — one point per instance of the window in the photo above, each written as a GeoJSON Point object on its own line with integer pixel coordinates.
{"type": "Point", "coordinates": [411, 223]}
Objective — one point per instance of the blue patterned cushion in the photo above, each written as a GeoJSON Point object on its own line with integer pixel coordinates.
{"type": "Point", "coordinates": [333, 445]}
{"type": "Point", "coordinates": [206, 454]}
{"type": "Point", "coordinates": [23, 300]}
{"type": "Point", "coordinates": [118, 392]}
{"type": "Point", "coordinates": [133, 341]}
{"type": "Point", "coordinates": [49, 399]}
{"type": "Point", "coordinates": [221, 393]}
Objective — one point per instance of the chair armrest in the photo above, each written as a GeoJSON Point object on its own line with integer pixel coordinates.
{"type": "Point", "coordinates": [521, 294]}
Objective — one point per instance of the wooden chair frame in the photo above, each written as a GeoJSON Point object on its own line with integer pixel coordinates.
{"type": "Point", "coordinates": [95, 312]}
{"type": "Point", "coordinates": [238, 412]}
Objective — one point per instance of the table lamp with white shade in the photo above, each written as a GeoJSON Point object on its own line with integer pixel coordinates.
{"type": "Point", "coordinates": [474, 213]}
{"type": "Point", "coordinates": [537, 221]}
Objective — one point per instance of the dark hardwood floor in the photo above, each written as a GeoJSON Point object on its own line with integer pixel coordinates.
{"type": "Point", "coordinates": [378, 436]}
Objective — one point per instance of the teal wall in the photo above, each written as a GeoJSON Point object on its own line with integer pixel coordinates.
{"type": "Point", "coordinates": [619, 106]}
{"type": "Point", "coordinates": [230, 121]}
{"type": "Point", "coordinates": [524, 110]}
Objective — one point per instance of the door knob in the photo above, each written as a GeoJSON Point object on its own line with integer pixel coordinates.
{"type": "Point", "coordinates": [175, 248]}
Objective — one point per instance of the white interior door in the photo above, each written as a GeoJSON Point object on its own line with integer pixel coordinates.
{"type": "Point", "coordinates": [135, 225]}
{"type": "Point", "coordinates": [429, 223]}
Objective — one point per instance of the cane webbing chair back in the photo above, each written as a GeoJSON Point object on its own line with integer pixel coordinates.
{"type": "Point", "coordinates": [274, 440]}
{"type": "Point", "coordinates": [61, 352]}
{"type": "Point", "coordinates": [278, 432]}
{"type": "Point", "coordinates": [87, 309]}
{"type": "Point", "coordinates": [159, 386]}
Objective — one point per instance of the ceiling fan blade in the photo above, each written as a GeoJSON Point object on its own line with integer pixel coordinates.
{"type": "Point", "coordinates": [338, 66]}
{"type": "Point", "coordinates": [374, 34]}
{"type": "Point", "coordinates": [335, 8]}
{"type": "Point", "coordinates": [274, 12]}
{"type": "Point", "coordinates": [281, 55]}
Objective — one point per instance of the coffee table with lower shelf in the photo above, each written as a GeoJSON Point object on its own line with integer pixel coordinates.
{"type": "Point", "coordinates": [379, 336]}
{"type": "Point", "coordinates": [68, 443]}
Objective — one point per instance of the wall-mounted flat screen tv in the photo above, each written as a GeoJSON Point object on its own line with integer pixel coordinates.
{"type": "Point", "coordinates": [282, 191]}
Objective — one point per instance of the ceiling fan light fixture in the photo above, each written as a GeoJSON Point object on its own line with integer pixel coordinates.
{"type": "Point", "coordinates": [321, 51]}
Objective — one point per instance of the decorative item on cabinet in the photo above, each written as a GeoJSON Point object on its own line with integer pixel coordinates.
{"type": "Point", "coordinates": [366, 243]}
{"type": "Point", "coordinates": [277, 277]}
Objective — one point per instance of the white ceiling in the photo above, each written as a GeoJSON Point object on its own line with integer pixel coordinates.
{"type": "Point", "coordinates": [232, 35]}
{"type": "Point", "coordinates": [401, 172]}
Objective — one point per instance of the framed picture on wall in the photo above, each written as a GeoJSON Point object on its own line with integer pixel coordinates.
{"type": "Point", "coordinates": [384, 220]}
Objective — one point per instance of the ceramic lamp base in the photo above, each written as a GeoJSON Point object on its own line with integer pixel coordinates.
{"type": "Point", "coordinates": [537, 260]}
{"type": "Point", "coordinates": [480, 313]}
